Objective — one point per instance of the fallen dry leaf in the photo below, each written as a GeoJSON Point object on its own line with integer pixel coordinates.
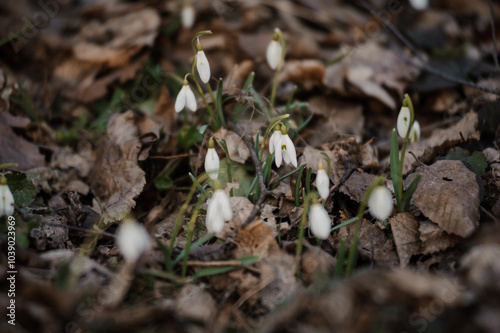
{"type": "Point", "coordinates": [17, 149]}
{"type": "Point", "coordinates": [440, 141]}
{"type": "Point", "coordinates": [406, 237]}
{"type": "Point", "coordinates": [434, 239]}
{"type": "Point", "coordinates": [448, 194]}
{"type": "Point", "coordinates": [116, 179]}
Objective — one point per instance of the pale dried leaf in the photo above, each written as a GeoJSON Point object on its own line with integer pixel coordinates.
{"type": "Point", "coordinates": [406, 237]}
{"type": "Point", "coordinates": [308, 73]}
{"type": "Point", "coordinates": [448, 194]}
{"type": "Point", "coordinates": [434, 239]}
{"type": "Point", "coordinates": [441, 140]}
{"type": "Point", "coordinates": [238, 151]}
{"type": "Point", "coordinates": [116, 179]}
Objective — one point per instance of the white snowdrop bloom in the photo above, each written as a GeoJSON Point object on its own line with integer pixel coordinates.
{"type": "Point", "coordinates": [6, 198]}
{"type": "Point", "coordinates": [322, 182]}
{"type": "Point", "coordinates": [132, 239]}
{"type": "Point", "coordinates": [286, 152]}
{"type": "Point", "coordinates": [380, 203]}
{"type": "Point", "coordinates": [319, 221]}
{"type": "Point", "coordinates": [273, 53]}
{"type": "Point", "coordinates": [185, 98]}
{"type": "Point", "coordinates": [419, 4]}
{"type": "Point", "coordinates": [212, 161]}
{"type": "Point", "coordinates": [202, 64]}
{"type": "Point", "coordinates": [275, 140]}
{"type": "Point", "coordinates": [219, 210]}
{"type": "Point", "coordinates": [403, 122]}
{"type": "Point", "coordinates": [187, 16]}
{"type": "Point", "coordinates": [415, 132]}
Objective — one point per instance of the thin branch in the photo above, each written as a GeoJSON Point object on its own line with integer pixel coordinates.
{"type": "Point", "coordinates": [493, 35]}
{"type": "Point", "coordinates": [258, 169]}
{"type": "Point", "coordinates": [350, 168]}
{"type": "Point", "coordinates": [423, 61]}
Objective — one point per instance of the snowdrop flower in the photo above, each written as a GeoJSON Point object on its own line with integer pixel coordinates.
{"type": "Point", "coordinates": [415, 132]}
{"type": "Point", "coordinates": [285, 152]}
{"type": "Point", "coordinates": [419, 4]}
{"type": "Point", "coordinates": [219, 210]}
{"type": "Point", "coordinates": [274, 51]}
{"type": "Point", "coordinates": [187, 16]}
{"type": "Point", "coordinates": [403, 122]}
{"type": "Point", "coordinates": [6, 198]}
{"type": "Point", "coordinates": [185, 98]}
{"type": "Point", "coordinates": [132, 239]}
{"type": "Point", "coordinates": [380, 203]}
{"type": "Point", "coordinates": [212, 162]}
{"type": "Point", "coordinates": [322, 182]}
{"type": "Point", "coordinates": [319, 221]}
{"type": "Point", "coordinates": [275, 140]}
{"type": "Point", "coordinates": [202, 64]}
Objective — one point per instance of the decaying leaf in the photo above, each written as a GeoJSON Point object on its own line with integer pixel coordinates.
{"type": "Point", "coordinates": [116, 179]}
{"type": "Point", "coordinates": [355, 187]}
{"type": "Point", "coordinates": [482, 267]}
{"type": "Point", "coordinates": [308, 73]}
{"type": "Point", "coordinates": [448, 194]}
{"type": "Point", "coordinates": [441, 140]}
{"type": "Point", "coordinates": [405, 230]}
{"type": "Point", "coordinates": [237, 150]}
{"type": "Point", "coordinates": [15, 149]}
{"type": "Point", "coordinates": [434, 239]}
{"type": "Point", "coordinates": [373, 244]}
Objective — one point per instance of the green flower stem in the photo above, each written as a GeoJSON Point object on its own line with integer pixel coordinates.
{"type": "Point", "coordinates": [191, 226]}
{"type": "Point", "coordinates": [203, 177]}
{"type": "Point", "coordinates": [302, 225]}
{"type": "Point", "coordinates": [353, 251]}
{"type": "Point", "coordinates": [273, 90]}
{"type": "Point", "coordinates": [212, 114]}
{"type": "Point", "coordinates": [212, 96]}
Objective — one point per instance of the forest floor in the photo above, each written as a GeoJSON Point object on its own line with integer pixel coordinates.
{"type": "Point", "coordinates": [88, 114]}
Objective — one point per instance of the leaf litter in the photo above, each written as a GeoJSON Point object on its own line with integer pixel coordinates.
{"type": "Point", "coordinates": [87, 113]}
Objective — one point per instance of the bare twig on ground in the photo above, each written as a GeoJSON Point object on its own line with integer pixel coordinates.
{"type": "Point", "coordinates": [422, 63]}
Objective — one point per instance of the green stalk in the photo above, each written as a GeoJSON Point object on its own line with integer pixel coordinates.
{"type": "Point", "coordinates": [191, 226]}
{"type": "Point", "coordinates": [302, 224]}
{"type": "Point", "coordinates": [353, 251]}
{"type": "Point", "coordinates": [199, 180]}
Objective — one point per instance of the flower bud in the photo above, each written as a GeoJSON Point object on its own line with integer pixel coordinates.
{"type": "Point", "coordinates": [380, 203]}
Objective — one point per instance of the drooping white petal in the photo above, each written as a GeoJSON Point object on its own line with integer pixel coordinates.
{"type": "Point", "coordinates": [415, 132]}
{"type": "Point", "coordinates": [319, 221]}
{"type": "Point", "coordinates": [274, 141]}
{"type": "Point", "coordinates": [132, 239]}
{"type": "Point", "coordinates": [180, 101]}
{"type": "Point", "coordinates": [187, 16]}
{"type": "Point", "coordinates": [203, 66]}
{"type": "Point", "coordinates": [403, 122]}
{"type": "Point", "coordinates": [212, 163]}
{"type": "Point", "coordinates": [290, 150]}
{"type": "Point", "coordinates": [284, 150]}
{"type": "Point", "coordinates": [323, 184]}
{"type": "Point", "coordinates": [278, 157]}
{"type": "Point", "coordinates": [219, 210]}
{"type": "Point", "coordinates": [224, 205]}
{"type": "Point", "coordinates": [190, 99]}
{"type": "Point", "coordinates": [273, 54]}
{"type": "Point", "coordinates": [6, 201]}
{"type": "Point", "coordinates": [380, 203]}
